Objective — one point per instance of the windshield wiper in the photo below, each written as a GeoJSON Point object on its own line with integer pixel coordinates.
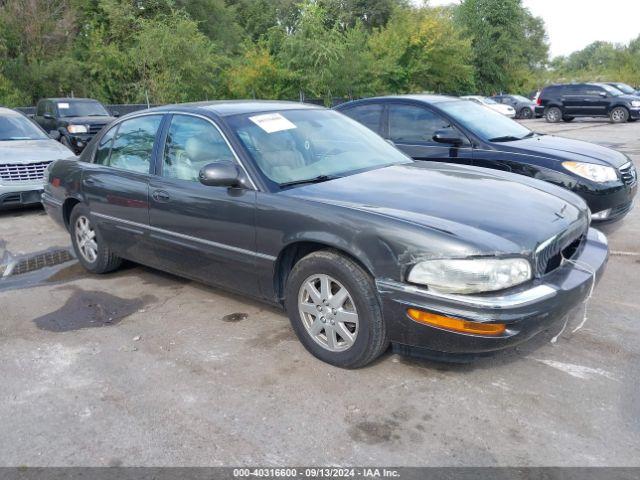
{"type": "Point", "coordinates": [528, 135]}
{"type": "Point", "coordinates": [318, 179]}
{"type": "Point", "coordinates": [506, 138]}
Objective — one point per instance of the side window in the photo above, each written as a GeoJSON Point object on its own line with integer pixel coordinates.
{"type": "Point", "coordinates": [368, 115]}
{"type": "Point", "coordinates": [191, 144]}
{"type": "Point", "coordinates": [104, 147]}
{"type": "Point", "coordinates": [410, 123]}
{"type": "Point", "coordinates": [49, 108]}
{"type": "Point", "coordinates": [133, 144]}
{"type": "Point", "coordinates": [594, 90]}
{"type": "Point", "coordinates": [40, 108]}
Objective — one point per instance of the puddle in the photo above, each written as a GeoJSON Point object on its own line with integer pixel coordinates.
{"type": "Point", "coordinates": [234, 317]}
{"type": "Point", "coordinates": [90, 309]}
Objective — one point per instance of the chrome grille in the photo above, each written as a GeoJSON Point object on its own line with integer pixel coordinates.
{"type": "Point", "coordinates": [628, 174]}
{"type": "Point", "coordinates": [22, 172]}
{"type": "Point", "coordinates": [564, 245]}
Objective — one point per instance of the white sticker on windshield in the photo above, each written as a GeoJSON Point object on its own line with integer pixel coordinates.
{"type": "Point", "coordinates": [63, 105]}
{"type": "Point", "coordinates": [272, 122]}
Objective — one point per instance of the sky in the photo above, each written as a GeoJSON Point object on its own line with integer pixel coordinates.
{"type": "Point", "coordinates": [574, 24]}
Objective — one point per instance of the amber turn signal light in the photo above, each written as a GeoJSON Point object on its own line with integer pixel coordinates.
{"type": "Point", "coordinates": [456, 324]}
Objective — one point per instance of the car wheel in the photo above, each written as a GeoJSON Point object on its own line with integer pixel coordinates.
{"type": "Point", "coordinates": [619, 115]}
{"type": "Point", "coordinates": [553, 114]}
{"type": "Point", "coordinates": [90, 249]}
{"type": "Point", "coordinates": [526, 113]}
{"type": "Point", "coordinates": [568, 119]}
{"type": "Point", "coordinates": [334, 309]}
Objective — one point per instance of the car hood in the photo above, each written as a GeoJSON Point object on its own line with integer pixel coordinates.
{"type": "Point", "coordinates": [497, 212]}
{"type": "Point", "coordinates": [29, 151]}
{"type": "Point", "coordinates": [564, 149]}
{"type": "Point", "coordinates": [88, 120]}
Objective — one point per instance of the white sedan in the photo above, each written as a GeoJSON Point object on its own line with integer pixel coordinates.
{"type": "Point", "coordinates": [492, 104]}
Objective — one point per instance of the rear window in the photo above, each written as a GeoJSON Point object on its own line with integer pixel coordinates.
{"type": "Point", "coordinates": [551, 91]}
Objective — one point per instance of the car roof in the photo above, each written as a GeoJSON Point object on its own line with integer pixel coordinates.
{"type": "Point", "coordinates": [224, 108]}
{"type": "Point", "coordinates": [10, 112]}
{"type": "Point", "coordinates": [422, 97]}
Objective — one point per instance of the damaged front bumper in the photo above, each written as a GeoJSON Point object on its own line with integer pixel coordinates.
{"type": "Point", "coordinates": [525, 310]}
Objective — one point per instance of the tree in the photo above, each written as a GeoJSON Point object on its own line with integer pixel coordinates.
{"type": "Point", "coordinates": [507, 42]}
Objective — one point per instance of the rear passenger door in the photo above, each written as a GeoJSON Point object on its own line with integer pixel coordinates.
{"type": "Point", "coordinates": [116, 184]}
{"type": "Point", "coordinates": [411, 127]}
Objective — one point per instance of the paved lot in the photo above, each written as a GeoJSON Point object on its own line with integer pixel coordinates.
{"type": "Point", "coordinates": [143, 368]}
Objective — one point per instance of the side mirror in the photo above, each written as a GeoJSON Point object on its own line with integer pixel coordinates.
{"type": "Point", "coordinates": [48, 116]}
{"type": "Point", "coordinates": [449, 136]}
{"type": "Point", "coordinates": [54, 134]}
{"type": "Point", "coordinates": [115, 113]}
{"type": "Point", "coordinates": [220, 174]}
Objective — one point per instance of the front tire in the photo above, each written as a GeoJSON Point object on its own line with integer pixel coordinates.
{"type": "Point", "coordinates": [619, 115]}
{"type": "Point", "coordinates": [92, 252]}
{"type": "Point", "coordinates": [553, 115]}
{"type": "Point", "coordinates": [334, 309]}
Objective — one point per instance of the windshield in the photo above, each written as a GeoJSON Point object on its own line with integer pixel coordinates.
{"type": "Point", "coordinates": [488, 101]}
{"type": "Point", "coordinates": [623, 87]}
{"type": "Point", "coordinates": [297, 145]}
{"type": "Point", "coordinates": [17, 127]}
{"type": "Point", "coordinates": [484, 122]}
{"type": "Point", "coordinates": [612, 90]}
{"type": "Point", "coordinates": [82, 109]}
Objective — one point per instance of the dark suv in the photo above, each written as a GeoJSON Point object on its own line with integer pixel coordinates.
{"type": "Point", "coordinates": [565, 102]}
{"type": "Point", "coordinates": [76, 120]}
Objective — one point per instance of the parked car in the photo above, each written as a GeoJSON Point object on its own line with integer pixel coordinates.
{"type": "Point", "coordinates": [568, 101]}
{"type": "Point", "coordinates": [76, 119]}
{"type": "Point", "coordinates": [25, 152]}
{"type": "Point", "coordinates": [446, 129]}
{"type": "Point", "coordinates": [624, 88]}
{"type": "Point", "coordinates": [523, 107]}
{"type": "Point", "coordinates": [505, 110]}
{"type": "Point", "coordinates": [304, 208]}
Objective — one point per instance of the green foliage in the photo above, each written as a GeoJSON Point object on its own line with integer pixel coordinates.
{"type": "Point", "coordinates": [166, 51]}
{"type": "Point", "coordinates": [507, 42]}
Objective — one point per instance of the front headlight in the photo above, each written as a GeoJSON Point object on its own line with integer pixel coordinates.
{"type": "Point", "coordinates": [596, 173]}
{"type": "Point", "coordinates": [77, 128]}
{"type": "Point", "coordinates": [635, 103]}
{"type": "Point", "coordinates": [471, 275]}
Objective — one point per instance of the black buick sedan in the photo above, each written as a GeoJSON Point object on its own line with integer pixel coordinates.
{"type": "Point", "coordinates": [303, 207]}
{"type": "Point", "coordinates": [448, 129]}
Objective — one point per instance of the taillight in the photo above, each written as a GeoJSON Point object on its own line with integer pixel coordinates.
{"type": "Point", "coordinates": [539, 100]}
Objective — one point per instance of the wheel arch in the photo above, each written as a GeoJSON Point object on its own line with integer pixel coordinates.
{"type": "Point", "coordinates": [67, 207]}
{"type": "Point", "coordinates": [296, 250]}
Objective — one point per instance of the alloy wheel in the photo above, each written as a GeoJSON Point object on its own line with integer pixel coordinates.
{"type": "Point", "coordinates": [86, 239]}
{"type": "Point", "coordinates": [328, 312]}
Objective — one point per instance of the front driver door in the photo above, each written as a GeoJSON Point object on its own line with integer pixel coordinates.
{"type": "Point", "coordinates": [411, 128]}
{"type": "Point", "coordinates": [202, 232]}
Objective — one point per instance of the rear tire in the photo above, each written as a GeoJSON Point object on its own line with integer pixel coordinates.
{"type": "Point", "coordinates": [92, 252]}
{"type": "Point", "coordinates": [526, 113]}
{"type": "Point", "coordinates": [334, 309]}
{"type": "Point", "coordinates": [553, 114]}
{"type": "Point", "coordinates": [619, 115]}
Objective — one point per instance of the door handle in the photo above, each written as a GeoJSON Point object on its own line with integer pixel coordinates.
{"type": "Point", "coordinates": [160, 196]}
